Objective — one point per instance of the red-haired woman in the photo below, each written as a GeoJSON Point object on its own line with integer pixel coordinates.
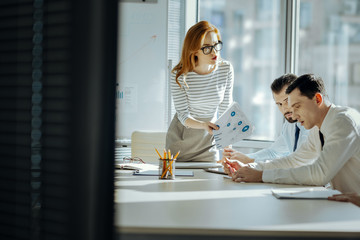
{"type": "Point", "coordinates": [201, 87]}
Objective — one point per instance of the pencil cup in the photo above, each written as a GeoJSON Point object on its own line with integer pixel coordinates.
{"type": "Point", "coordinates": [166, 169]}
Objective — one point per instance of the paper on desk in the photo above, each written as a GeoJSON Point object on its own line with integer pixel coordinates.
{"type": "Point", "coordinates": [234, 126]}
{"type": "Point", "coordinates": [136, 166]}
{"type": "Point", "coordinates": [216, 170]}
{"type": "Point", "coordinates": [304, 193]}
{"type": "Point", "coordinates": [187, 173]}
{"type": "Point", "coordinates": [194, 165]}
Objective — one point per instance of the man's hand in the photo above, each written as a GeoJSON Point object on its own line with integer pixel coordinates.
{"type": "Point", "coordinates": [247, 174]}
{"type": "Point", "coordinates": [347, 197]}
{"type": "Point", "coordinates": [226, 154]}
{"type": "Point", "coordinates": [230, 153]}
{"type": "Point", "coordinates": [231, 166]}
{"type": "Point", "coordinates": [241, 157]}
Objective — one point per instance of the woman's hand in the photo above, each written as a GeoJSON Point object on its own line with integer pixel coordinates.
{"type": "Point", "coordinates": [209, 126]}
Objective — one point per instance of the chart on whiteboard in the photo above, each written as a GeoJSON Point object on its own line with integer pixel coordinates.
{"type": "Point", "coordinates": [233, 127]}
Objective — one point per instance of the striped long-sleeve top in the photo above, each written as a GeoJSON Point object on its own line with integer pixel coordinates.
{"type": "Point", "coordinates": [206, 95]}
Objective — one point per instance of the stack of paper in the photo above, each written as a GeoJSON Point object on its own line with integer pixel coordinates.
{"type": "Point", "coordinates": [304, 193]}
{"type": "Point", "coordinates": [136, 166]}
{"type": "Point", "coordinates": [187, 173]}
{"type": "Point", "coordinates": [196, 165]}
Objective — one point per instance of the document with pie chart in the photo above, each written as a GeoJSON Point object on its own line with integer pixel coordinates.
{"type": "Point", "coordinates": [233, 127]}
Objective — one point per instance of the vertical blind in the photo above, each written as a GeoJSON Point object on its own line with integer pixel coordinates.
{"type": "Point", "coordinates": [35, 103]}
{"type": "Point", "coordinates": [39, 125]}
{"type": "Point", "coordinates": [176, 35]}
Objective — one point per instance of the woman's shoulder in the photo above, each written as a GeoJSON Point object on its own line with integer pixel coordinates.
{"type": "Point", "coordinates": [225, 64]}
{"type": "Point", "coordinates": [173, 75]}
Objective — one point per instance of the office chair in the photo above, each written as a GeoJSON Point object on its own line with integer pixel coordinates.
{"type": "Point", "coordinates": [143, 144]}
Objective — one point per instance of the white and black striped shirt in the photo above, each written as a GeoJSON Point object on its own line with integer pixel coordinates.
{"type": "Point", "coordinates": [207, 94]}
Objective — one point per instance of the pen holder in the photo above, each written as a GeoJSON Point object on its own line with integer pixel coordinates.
{"type": "Point", "coordinates": [166, 169]}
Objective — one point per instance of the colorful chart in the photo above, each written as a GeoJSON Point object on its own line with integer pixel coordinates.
{"type": "Point", "coordinates": [234, 126]}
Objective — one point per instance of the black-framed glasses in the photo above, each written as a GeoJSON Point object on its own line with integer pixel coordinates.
{"type": "Point", "coordinates": [208, 49]}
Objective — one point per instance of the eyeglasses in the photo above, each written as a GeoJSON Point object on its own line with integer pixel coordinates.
{"type": "Point", "coordinates": [208, 49]}
{"type": "Point", "coordinates": [132, 160]}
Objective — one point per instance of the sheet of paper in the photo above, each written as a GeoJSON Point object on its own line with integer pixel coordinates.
{"type": "Point", "coordinates": [196, 165]}
{"type": "Point", "coordinates": [304, 193]}
{"type": "Point", "coordinates": [216, 170]}
{"type": "Point", "coordinates": [186, 173]}
{"type": "Point", "coordinates": [234, 126]}
{"type": "Point", "coordinates": [136, 166]}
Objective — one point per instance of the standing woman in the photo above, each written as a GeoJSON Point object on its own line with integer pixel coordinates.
{"type": "Point", "coordinates": [201, 87]}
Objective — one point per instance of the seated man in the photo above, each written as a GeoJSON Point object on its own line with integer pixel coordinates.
{"type": "Point", "coordinates": [292, 133]}
{"type": "Point", "coordinates": [338, 155]}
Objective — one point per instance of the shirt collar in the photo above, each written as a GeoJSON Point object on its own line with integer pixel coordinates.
{"type": "Point", "coordinates": [328, 119]}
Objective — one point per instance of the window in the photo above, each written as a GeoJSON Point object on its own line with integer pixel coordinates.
{"type": "Point", "coordinates": [263, 39]}
{"type": "Point", "coordinates": [329, 46]}
{"type": "Point", "coordinates": [252, 43]}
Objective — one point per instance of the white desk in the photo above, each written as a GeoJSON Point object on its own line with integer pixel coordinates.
{"type": "Point", "coordinates": [208, 206]}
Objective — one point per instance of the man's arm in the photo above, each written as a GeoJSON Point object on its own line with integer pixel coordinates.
{"type": "Point", "coordinates": [277, 150]}
{"type": "Point", "coordinates": [230, 153]}
{"type": "Point", "coordinates": [339, 147]}
{"type": "Point", "coordinates": [304, 155]}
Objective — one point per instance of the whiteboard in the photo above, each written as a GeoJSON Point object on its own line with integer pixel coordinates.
{"type": "Point", "coordinates": [141, 93]}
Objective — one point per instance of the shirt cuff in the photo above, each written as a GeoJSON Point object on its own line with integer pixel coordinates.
{"type": "Point", "coordinates": [256, 165]}
{"type": "Point", "coordinates": [268, 175]}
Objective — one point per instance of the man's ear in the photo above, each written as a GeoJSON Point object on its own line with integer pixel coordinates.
{"type": "Point", "coordinates": [318, 98]}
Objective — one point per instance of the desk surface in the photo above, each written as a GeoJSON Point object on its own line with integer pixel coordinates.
{"type": "Point", "coordinates": [209, 204]}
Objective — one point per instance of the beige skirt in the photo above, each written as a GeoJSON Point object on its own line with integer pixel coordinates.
{"type": "Point", "coordinates": [195, 145]}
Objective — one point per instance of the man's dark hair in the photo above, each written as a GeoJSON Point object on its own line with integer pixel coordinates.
{"type": "Point", "coordinates": [285, 80]}
{"type": "Point", "coordinates": [308, 85]}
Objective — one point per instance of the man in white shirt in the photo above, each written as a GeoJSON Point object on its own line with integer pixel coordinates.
{"type": "Point", "coordinates": [292, 133]}
{"type": "Point", "coordinates": [337, 156]}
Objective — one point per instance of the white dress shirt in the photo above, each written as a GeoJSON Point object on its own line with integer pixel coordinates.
{"type": "Point", "coordinates": [283, 145]}
{"type": "Point", "coordinates": [338, 162]}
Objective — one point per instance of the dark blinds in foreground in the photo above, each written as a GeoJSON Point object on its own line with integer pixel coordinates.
{"type": "Point", "coordinates": [34, 106]}
{"type": "Point", "coordinates": [40, 197]}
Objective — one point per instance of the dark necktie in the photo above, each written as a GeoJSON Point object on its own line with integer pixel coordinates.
{"type": "Point", "coordinates": [321, 139]}
{"type": "Point", "coordinates": [297, 131]}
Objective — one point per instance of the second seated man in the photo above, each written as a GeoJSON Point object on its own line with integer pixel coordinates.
{"type": "Point", "coordinates": [292, 133]}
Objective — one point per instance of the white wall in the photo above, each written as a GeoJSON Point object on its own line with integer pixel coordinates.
{"type": "Point", "coordinates": [142, 67]}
